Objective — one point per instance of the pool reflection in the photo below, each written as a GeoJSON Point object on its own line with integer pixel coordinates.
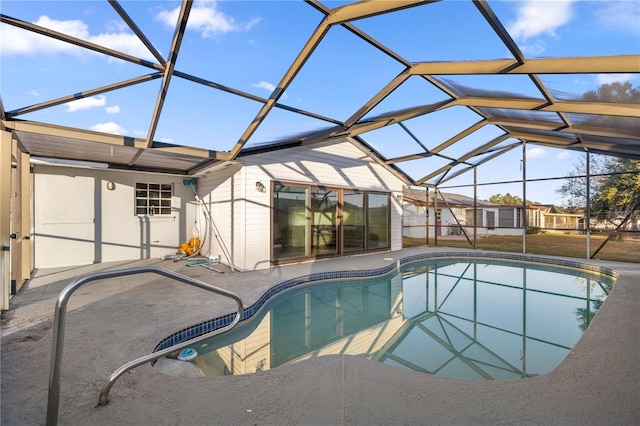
{"type": "Point", "coordinates": [455, 318]}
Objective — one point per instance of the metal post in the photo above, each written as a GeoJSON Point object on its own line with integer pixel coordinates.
{"type": "Point", "coordinates": [524, 197]}
{"type": "Point", "coordinates": [475, 207]}
{"type": "Point", "coordinates": [524, 322]}
{"type": "Point", "coordinates": [426, 212]}
{"type": "Point", "coordinates": [435, 218]}
{"type": "Point", "coordinates": [588, 207]}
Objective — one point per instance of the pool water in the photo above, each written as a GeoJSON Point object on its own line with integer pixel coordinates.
{"type": "Point", "coordinates": [464, 318]}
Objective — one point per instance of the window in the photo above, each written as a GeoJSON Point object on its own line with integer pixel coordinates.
{"type": "Point", "coordinates": [471, 221]}
{"type": "Point", "coordinates": [153, 198]}
{"type": "Point", "coordinates": [505, 218]}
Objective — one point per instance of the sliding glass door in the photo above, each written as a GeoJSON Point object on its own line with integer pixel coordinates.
{"type": "Point", "coordinates": [324, 222]}
{"type": "Point", "coordinates": [377, 221]}
{"type": "Point", "coordinates": [310, 221]}
{"type": "Point", "coordinates": [289, 229]}
{"type": "Point", "coordinates": [353, 220]}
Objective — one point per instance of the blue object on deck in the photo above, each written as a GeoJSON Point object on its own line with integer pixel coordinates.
{"type": "Point", "coordinates": [188, 354]}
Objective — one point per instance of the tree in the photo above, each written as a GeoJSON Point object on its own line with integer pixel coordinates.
{"type": "Point", "coordinates": [509, 200]}
{"type": "Point", "coordinates": [615, 184]}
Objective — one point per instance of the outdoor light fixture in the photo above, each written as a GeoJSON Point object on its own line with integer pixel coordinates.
{"type": "Point", "coordinates": [111, 186]}
{"type": "Point", "coordinates": [260, 186]}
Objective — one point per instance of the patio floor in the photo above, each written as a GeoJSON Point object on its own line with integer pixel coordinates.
{"type": "Point", "coordinates": [111, 322]}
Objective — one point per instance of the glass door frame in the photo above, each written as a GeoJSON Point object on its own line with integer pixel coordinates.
{"type": "Point", "coordinates": [339, 222]}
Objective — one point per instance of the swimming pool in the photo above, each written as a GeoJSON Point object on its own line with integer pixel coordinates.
{"type": "Point", "coordinates": [470, 318]}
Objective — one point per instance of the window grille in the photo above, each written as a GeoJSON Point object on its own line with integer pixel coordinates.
{"type": "Point", "coordinates": [153, 199]}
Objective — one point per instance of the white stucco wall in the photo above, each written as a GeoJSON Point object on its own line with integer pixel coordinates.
{"type": "Point", "coordinates": [78, 221]}
{"type": "Point", "coordinates": [245, 224]}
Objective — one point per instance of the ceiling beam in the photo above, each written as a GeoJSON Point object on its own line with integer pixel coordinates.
{"type": "Point", "coordinates": [366, 9]}
{"type": "Point", "coordinates": [73, 133]}
{"type": "Point", "coordinates": [479, 150]}
{"type": "Point", "coordinates": [378, 97]}
{"type": "Point", "coordinates": [396, 117]}
{"type": "Point", "coordinates": [568, 65]}
{"type": "Point", "coordinates": [560, 141]}
{"type": "Point", "coordinates": [463, 134]}
{"type": "Point", "coordinates": [183, 17]}
{"type": "Point", "coordinates": [576, 107]}
{"type": "Point", "coordinates": [286, 80]}
{"type": "Point", "coordinates": [499, 29]}
{"type": "Point", "coordinates": [78, 42]}
{"type": "Point", "coordinates": [84, 94]}
{"type": "Point", "coordinates": [137, 31]}
{"type": "Point", "coordinates": [593, 130]}
{"type": "Point", "coordinates": [96, 137]}
{"type": "Point", "coordinates": [498, 153]}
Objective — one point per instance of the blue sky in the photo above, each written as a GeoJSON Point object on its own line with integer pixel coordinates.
{"type": "Point", "coordinates": [248, 45]}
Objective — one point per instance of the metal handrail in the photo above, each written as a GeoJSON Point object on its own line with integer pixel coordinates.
{"type": "Point", "coordinates": [53, 400]}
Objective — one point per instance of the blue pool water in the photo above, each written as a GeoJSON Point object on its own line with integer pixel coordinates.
{"type": "Point", "coordinates": [465, 318]}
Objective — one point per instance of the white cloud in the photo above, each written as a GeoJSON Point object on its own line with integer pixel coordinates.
{"type": "Point", "coordinates": [206, 18]}
{"type": "Point", "coordinates": [269, 87]}
{"type": "Point", "coordinates": [112, 109]}
{"type": "Point", "coordinates": [87, 103]}
{"type": "Point", "coordinates": [534, 49]}
{"type": "Point", "coordinates": [620, 15]}
{"type": "Point", "coordinates": [15, 41]}
{"type": "Point", "coordinates": [109, 127]}
{"type": "Point", "coordinates": [538, 17]}
{"type": "Point", "coordinates": [264, 85]}
{"type": "Point", "coordinates": [34, 93]}
{"type": "Point", "coordinates": [537, 153]}
{"type": "Point", "coordinates": [613, 78]}
{"type": "Point", "coordinates": [564, 155]}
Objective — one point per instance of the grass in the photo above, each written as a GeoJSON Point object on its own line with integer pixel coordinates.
{"type": "Point", "coordinates": [625, 250]}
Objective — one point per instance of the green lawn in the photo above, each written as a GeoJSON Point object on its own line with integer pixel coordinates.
{"type": "Point", "coordinates": [625, 250]}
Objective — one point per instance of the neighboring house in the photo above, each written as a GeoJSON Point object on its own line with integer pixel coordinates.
{"type": "Point", "coordinates": [267, 207]}
{"type": "Point", "coordinates": [455, 212]}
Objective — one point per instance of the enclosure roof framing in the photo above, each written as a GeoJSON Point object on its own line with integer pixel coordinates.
{"type": "Point", "coordinates": [543, 116]}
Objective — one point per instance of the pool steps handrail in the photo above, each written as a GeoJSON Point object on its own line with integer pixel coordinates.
{"type": "Point", "coordinates": [53, 399]}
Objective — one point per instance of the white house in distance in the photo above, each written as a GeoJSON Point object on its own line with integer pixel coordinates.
{"type": "Point", "coordinates": [451, 213]}
{"type": "Point", "coordinates": [265, 208]}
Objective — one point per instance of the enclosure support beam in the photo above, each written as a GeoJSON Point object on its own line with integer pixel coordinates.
{"type": "Point", "coordinates": [475, 207]}
{"type": "Point", "coordinates": [455, 217]}
{"type": "Point", "coordinates": [426, 214]}
{"type": "Point", "coordinates": [524, 197]}
{"type": "Point", "coordinates": [435, 214]}
{"type": "Point", "coordinates": [588, 210]}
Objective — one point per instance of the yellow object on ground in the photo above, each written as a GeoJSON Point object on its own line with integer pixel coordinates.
{"type": "Point", "coordinates": [190, 248]}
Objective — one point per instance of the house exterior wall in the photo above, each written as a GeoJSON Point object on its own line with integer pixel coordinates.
{"type": "Point", "coordinates": [78, 221]}
{"type": "Point", "coordinates": [246, 212]}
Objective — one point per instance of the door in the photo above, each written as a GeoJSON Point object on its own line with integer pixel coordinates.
{"type": "Point", "coordinates": [491, 219]}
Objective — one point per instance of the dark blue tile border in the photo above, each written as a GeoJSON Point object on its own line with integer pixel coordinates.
{"type": "Point", "coordinates": [217, 323]}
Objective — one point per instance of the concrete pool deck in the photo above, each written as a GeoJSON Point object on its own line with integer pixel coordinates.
{"type": "Point", "coordinates": [112, 322]}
